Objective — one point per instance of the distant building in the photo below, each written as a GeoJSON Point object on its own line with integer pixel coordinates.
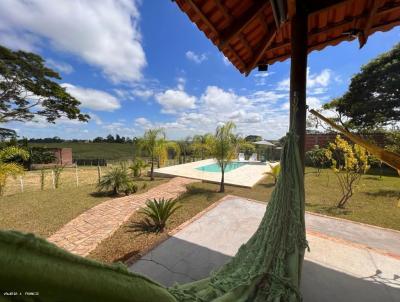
{"type": "Point", "coordinates": [63, 156]}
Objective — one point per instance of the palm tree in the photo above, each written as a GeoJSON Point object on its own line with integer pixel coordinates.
{"type": "Point", "coordinates": [224, 148]}
{"type": "Point", "coordinates": [201, 145]}
{"type": "Point", "coordinates": [184, 146]}
{"type": "Point", "coordinates": [9, 168]}
{"type": "Point", "coordinates": [117, 179]}
{"type": "Point", "coordinates": [152, 141]}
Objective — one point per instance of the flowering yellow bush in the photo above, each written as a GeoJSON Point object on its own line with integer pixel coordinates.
{"type": "Point", "coordinates": [349, 162]}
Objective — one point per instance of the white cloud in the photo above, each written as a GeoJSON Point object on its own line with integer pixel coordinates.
{"type": "Point", "coordinates": [197, 58]}
{"type": "Point", "coordinates": [321, 79]}
{"type": "Point", "coordinates": [143, 93]}
{"type": "Point", "coordinates": [173, 101]}
{"type": "Point", "coordinates": [267, 96]}
{"type": "Point", "coordinates": [60, 66]}
{"type": "Point", "coordinates": [94, 117]}
{"type": "Point", "coordinates": [215, 98]}
{"type": "Point", "coordinates": [92, 98]}
{"type": "Point", "coordinates": [143, 122]}
{"type": "Point", "coordinates": [104, 34]}
{"type": "Point", "coordinates": [260, 78]}
{"type": "Point", "coordinates": [318, 80]}
{"type": "Point", "coordinates": [284, 85]}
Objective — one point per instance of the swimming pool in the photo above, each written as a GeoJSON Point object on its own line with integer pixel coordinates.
{"type": "Point", "coordinates": [216, 168]}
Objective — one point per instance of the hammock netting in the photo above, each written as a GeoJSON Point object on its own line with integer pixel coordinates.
{"type": "Point", "coordinates": [266, 268]}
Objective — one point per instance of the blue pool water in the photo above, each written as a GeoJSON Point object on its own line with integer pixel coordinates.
{"type": "Point", "coordinates": [216, 168]}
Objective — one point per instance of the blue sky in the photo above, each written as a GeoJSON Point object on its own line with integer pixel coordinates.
{"type": "Point", "coordinates": [135, 65]}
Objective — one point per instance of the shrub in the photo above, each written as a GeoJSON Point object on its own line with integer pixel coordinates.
{"type": "Point", "coordinates": [137, 166]}
{"type": "Point", "coordinates": [130, 188]}
{"type": "Point", "coordinates": [117, 179]}
{"type": "Point", "coordinates": [348, 163]}
{"type": "Point", "coordinates": [274, 172]}
{"type": "Point", "coordinates": [317, 158]}
{"type": "Point", "coordinates": [57, 170]}
{"type": "Point", "coordinates": [157, 212]}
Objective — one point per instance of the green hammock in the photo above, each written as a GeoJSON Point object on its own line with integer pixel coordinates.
{"type": "Point", "coordinates": [266, 268]}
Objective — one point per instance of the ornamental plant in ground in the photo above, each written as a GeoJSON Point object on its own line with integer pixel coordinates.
{"type": "Point", "coordinates": [349, 162]}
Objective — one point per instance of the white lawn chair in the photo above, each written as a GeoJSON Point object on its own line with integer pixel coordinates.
{"type": "Point", "coordinates": [253, 157]}
{"type": "Point", "coordinates": [241, 157]}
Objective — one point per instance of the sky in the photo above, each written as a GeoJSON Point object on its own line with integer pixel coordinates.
{"type": "Point", "coordinates": [136, 65]}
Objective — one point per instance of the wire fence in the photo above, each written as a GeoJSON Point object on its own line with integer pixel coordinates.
{"type": "Point", "coordinates": [70, 176]}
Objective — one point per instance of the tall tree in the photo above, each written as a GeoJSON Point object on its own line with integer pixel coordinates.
{"type": "Point", "coordinates": [224, 148]}
{"type": "Point", "coordinates": [28, 89]}
{"type": "Point", "coordinates": [373, 98]}
{"type": "Point", "coordinates": [152, 139]}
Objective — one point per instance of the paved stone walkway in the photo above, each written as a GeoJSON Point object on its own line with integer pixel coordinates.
{"type": "Point", "coordinates": [82, 234]}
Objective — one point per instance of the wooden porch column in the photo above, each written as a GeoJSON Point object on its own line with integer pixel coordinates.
{"type": "Point", "coordinates": [298, 72]}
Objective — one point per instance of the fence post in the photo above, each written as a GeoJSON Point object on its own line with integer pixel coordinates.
{"type": "Point", "coordinates": [21, 183]}
{"type": "Point", "coordinates": [98, 173]}
{"type": "Point", "coordinates": [76, 175]}
{"type": "Point", "coordinates": [53, 179]}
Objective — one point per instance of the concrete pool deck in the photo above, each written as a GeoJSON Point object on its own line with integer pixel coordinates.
{"type": "Point", "coordinates": [245, 176]}
{"type": "Point", "coordinates": [343, 265]}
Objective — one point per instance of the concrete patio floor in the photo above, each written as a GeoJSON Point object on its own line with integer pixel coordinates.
{"type": "Point", "coordinates": [245, 176]}
{"type": "Point", "coordinates": [348, 261]}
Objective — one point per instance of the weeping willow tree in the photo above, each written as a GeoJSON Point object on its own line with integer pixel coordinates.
{"type": "Point", "coordinates": [9, 168]}
{"type": "Point", "coordinates": [163, 149]}
{"type": "Point", "coordinates": [202, 144]}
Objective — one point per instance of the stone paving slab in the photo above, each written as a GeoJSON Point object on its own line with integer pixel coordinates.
{"type": "Point", "coordinates": [334, 270]}
{"type": "Point", "coordinates": [82, 234]}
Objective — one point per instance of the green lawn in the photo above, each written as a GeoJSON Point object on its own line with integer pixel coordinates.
{"type": "Point", "coordinates": [44, 212]}
{"type": "Point", "coordinates": [80, 150]}
{"type": "Point", "coordinates": [376, 202]}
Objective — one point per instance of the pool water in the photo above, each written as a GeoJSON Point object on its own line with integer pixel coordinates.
{"type": "Point", "coordinates": [216, 168]}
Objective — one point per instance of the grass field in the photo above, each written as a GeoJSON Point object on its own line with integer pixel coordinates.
{"type": "Point", "coordinates": [376, 203]}
{"type": "Point", "coordinates": [44, 212]}
{"type": "Point", "coordinates": [31, 179]}
{"type": "Point", "coordinates": [108, 151]}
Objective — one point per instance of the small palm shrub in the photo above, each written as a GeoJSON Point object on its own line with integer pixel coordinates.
{"type": "Point", "coordinates": [116, 180]}
{"type": "Point", "coordinates": [130, 188]}
{"type": "Point", "coordinates": [157, 212]}
{"type": "Point", "coordinates": [137, 166]}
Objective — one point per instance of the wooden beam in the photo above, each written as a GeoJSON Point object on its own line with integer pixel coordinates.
{"type": "Point", "coordinates": [203, 17]}
{"type": "Point", "coordinates": [224, 10]}
{"type": "Point", "coordinates": [211, 26]}
{"type": "Point", "coordinates": [246, 43]}
{"type": "Point", "coordinates": [260, 51]}
{"type": "Point", "coordinates": [330, 28]}
{"type": "Point", "coordinates": [363, 35]}
{"type": "Point", "coordinates": [233, 30]}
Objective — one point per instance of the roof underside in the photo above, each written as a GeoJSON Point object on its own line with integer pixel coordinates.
{"type": "Point", "coordinates": [251, 33]}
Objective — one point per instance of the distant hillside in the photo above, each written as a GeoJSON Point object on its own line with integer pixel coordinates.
{"type": "Point", "coordinates": [81, 150]}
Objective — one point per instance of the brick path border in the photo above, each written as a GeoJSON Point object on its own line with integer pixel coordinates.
{"type": "Point", "coordinates": [82, 234]}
